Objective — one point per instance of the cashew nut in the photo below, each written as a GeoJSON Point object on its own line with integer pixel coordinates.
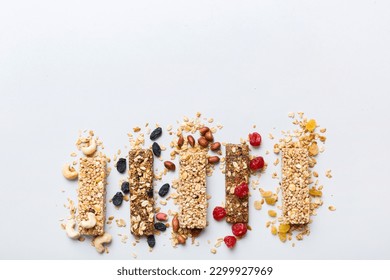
{"type": "Point", "coordinates": [70, 231]}
{"type": "Point", "coordinates": [91, 149]}
{"type": "Point", "coordinates": [100, 240]}
{"type": "Point", "coordinates": [90, 223]}
{"type": "Point", "coordinates": [69, 172]}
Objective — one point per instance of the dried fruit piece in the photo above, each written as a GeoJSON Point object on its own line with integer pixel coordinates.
{"type": "Point", "coordinates": [314, 192]}
{"type": "Point", "coordinates": [282, 236]}
{"type": "Point", "coordinates": [151, 241]}
{"type": "Point", "coordinates": [160, 226]}
{"type": "Point", "coordinates": [117, 199]}
{"type": "Point", "coordinates": [121, 165]}
{"type": "Point", "coordinates": [241, 190]}
{"type": "Point", "coordinates": [125, 187]}
{"type": "Point", "coordinates": [311, 125]}
{"type": "Point", "coordinates": [156, 133]}
{"type": "Point", "coordinates": [156, 149]}
{"type": "Point", "coordinates": [230, 241]}
{"type": "Point", "coordinates": [164, 190]}
{"type": "Point", "coordinates": [271, 200]}
{"type": "Point", "coordinates": [255, 139]}
{"type": "Point", "coordinates": [284, 228]}
{"type": "Point", "coordinates": [272, 213]}
{"type": "Point", "coordinates": [274, 230]}
{"type": "Point", "coordinates": [239, 229]}
{"type": "Point", "coordinates": [150, 192]}
{"type": "Point", "coordinates": [256, 163]}
{"type": "Point", "coordinates": [219, 213]}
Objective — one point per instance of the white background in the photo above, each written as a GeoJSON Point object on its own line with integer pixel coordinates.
{"type": "Point", "coordinates": [112, 65]}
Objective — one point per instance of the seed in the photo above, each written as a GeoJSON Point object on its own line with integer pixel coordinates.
{"type": "Point", "coordinates": [203, 142]}
{"type": "Point", "coordinates": [121, 165]}
{"type": "Point", "coordinates": [272, 213]}
{"type": "Point", "coordinates": [160, 226]}
{"type": "Point", "coordinates": [175, 224]}
{"type": "Point", "coordinates": [204, 130]}
{"type": "Point", "coordinates": [181, 239]}
{"type": "Point", "coordinates": [151, 241]}
{"type": "Point", "coordinates": [191, 140]}
{"type": "Point", "coordinates": [180, 142]}
{"type": "Point", "coordinates": [156, 149]}
{"type": "Point", "coordinates": [156, 133]}
{"type": "Point", "coordinates": [213, 159]}
{"type": "Point", "coordinates": [169, 165]}
{"type": "Point", "coordinates": [150, 192]}
{"type": "Point", "coordinates": [215, 146]}
{"type": "Point", "coordinates": [125, 187]}
{"type": "Point", "coordinates": [117, 199]}
{"type": "Point", "coordinates": [164, 190]}
{"type": "Point", "coordinates": [162, 217]}
{"type": "Point", "coordinates": [209, 136]}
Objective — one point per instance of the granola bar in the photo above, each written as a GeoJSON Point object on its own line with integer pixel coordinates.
{"type": "Point", "coordinates": [192, 197]}
{"type": "Point", "coordinates": [295, 185]}
{"type": "Point", "coordinates": [141, 192]}
{"type": "Point", "coordinates": [236, 172]}
{"type": "Point", "coordinates": [92, 193]}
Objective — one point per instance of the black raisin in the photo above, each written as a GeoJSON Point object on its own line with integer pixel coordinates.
{"type": "Point", "coordinates": [121, 165]}
{"type": "Point", "coordinates": [125, 187]}
{"type": "Point", "coordinates": [151, 241]}
{"type": "Point", "coordinates": [150, 193]}
{"type": "Point", "coordinates": [156, 149]}
{"type": "Point", "coordinates": [117, 199]}
{"type": "Point", "coordinates": [164, 190]}
{"type": "Point", "coordinates": [160, 226]}
{"type": "Point", "coordinates": [156, 133]}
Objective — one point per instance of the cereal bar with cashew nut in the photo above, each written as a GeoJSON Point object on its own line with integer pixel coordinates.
{"type": "Point", "coordinates": [192, 197]}
{"type": "Point", "coordinates": [236, 173]}
{"type": "Point", "coordinates": [141, 192]}
{"type": "Point", "coordinates": [92, 195]}
{"type": "Point", "coordinates": [295, 186]}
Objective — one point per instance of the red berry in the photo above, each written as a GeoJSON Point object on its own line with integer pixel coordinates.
{"type": "Point", "coordinates": [239, 229]}
{"type": "Point", "coordinates": [255, 139]}
{"type": "Point", "coordinates": [219, 213]}
{"type": "Point", "coordinates": [241, 190]}
{"type": "Point", "coordinates": [230, 241]}
{"type": "Point", "coordinates": [256, 163]}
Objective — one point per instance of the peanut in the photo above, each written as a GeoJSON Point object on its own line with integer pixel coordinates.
{"type": "Point", "coordinates": [213, 159]}
{"type": "Point", "coordinates": [209, 136]}
{"type": "Point", "coordinates": [162, 217]}
{"type": "Point", "coordinates": [180, 142]}
{"type": "Point", "coordinates": [175, 224]}
{"type": "Point", "coordinates": [204, 130]}
{"type": "Point", "coordinates": [191, 140]}
{"type": "Point", "coordinates": [203, 142]}
{"type": "Point", "coordinates": [181, 239]}
{"type": "Point", "coordinates": [215, 146]}
{"type": "Point", "coordinates": [169, 165]}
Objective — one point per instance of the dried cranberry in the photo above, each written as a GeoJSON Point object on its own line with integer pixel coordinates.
{"type": "Point", "coordinates": [219, 213]}
{"type": "Point", "coordinates": [230, 241]}
{"type": "Point", "coordinates": [255, 139]}
{"type": "Point", "coordinates": [239, 229]}
{"type": "Point", "coordinates": [241, 190]}
{"type": "Point", "coordinates": [256, 163]}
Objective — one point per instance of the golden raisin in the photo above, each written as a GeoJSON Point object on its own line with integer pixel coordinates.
{"type": "Point", "coordinates": [311, 125]}
{"type": "Point", "coordinates": [314, 192]}
{"type": "Point", "coordinates": [272, 213]}
{"type": "Point", "coordinates": [274, 230]}
{"type": "Point", "coordinates": [282, 236]}
{"type": "Point", "coordinates": [284, 228]}
{"type": "Point", "coordinates": [313, 149]}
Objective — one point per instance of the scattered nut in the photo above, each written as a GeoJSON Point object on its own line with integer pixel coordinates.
{"type": "Point", "coordinates": [90, 223]}
{"type": "Point", "coordinates": [204, 130]}
{"type": "Point", "coordinates": [181, 239]}
{"type": "Point", "coordinates": [69, 172]}
{"type": "Point", "coordinates": [91, 149]}
{"type": "Point", "coordinates": [180, 142]}
{"type": "Point", "coordinates": [162, 217]}
{"type": "Point", "coordinates": [175, 224]}
{"type": "Point", "coordinates": [215, 146]}
{"type": "Point", "coordinates": [100, 240]}
{"type": "Point", "coordinates": [169, 165]}
{"type": "Point", "coordinates": [213, 159]}
{"type": "Point", "coordinates": [70, 231]}
{"type": "Point", "coordinates": [209, 136]}
{"type": "Point", "coordinates": [202, 141]}
{"type": "Point", "coordinates": [191, 140]}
